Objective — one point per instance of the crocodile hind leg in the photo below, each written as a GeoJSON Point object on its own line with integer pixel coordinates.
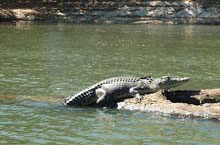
{"type": "Point", "coordinates": [101, 94]}
{"type": "Point", "coordinates": [104, 99]}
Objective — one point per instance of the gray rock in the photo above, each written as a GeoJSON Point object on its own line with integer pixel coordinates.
{"type": "Point", "coordinates": [213, 12]}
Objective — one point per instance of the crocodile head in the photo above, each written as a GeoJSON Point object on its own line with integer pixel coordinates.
{"type": "Point", "coordinates": [167, 82]}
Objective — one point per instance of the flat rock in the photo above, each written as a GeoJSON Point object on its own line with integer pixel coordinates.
{"type": "Point", "coordinates": [181, 103]}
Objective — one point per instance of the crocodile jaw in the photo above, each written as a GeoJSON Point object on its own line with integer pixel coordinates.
{"type": "Point", "coordinates": [167, 82]}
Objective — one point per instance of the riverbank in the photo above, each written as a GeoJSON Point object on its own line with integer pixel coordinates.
{"type": "Point", "coordinates": [112, 12]}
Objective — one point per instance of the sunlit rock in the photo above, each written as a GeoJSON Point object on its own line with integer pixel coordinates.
{"type": "Point", "coordinates": [182, 103]}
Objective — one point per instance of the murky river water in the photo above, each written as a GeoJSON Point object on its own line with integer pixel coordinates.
{"type": "Point", "coordinates": [40, 60]}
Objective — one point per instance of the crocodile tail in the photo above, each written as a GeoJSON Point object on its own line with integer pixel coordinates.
{"type": "Point", "coordinates": [83, 98]}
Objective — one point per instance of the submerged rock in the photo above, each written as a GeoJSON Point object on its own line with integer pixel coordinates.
{"type": "Point", "coordinates": [181, 103]}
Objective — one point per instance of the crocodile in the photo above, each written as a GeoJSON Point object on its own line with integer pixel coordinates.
{"type": "Point", "coordinates": [112, 90]}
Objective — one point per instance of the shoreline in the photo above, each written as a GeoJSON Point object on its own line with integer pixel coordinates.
{"type": "Point", "coordinates": [110, 12]}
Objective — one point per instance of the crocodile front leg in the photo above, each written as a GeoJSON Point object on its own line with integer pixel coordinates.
{"type": "Point", "coordinates": [134, 92]}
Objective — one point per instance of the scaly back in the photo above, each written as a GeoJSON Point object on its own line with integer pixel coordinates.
{"type": "Point", "coordinates": [88, 96]}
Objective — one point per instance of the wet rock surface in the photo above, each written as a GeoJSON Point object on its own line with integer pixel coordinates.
{"type": "Point", "coordinates": [113, 12]}
{"type": "Point", "coordinates": [181, 103]}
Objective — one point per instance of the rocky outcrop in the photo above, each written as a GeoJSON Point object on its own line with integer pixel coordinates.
{"type": "Point", "coordinates": [111, 12]}
{"type": "Point", "coordinates": [181, 103]}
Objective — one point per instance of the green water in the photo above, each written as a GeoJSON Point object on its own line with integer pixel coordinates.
{"type": "Point", "coordinates": [61, 59]}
